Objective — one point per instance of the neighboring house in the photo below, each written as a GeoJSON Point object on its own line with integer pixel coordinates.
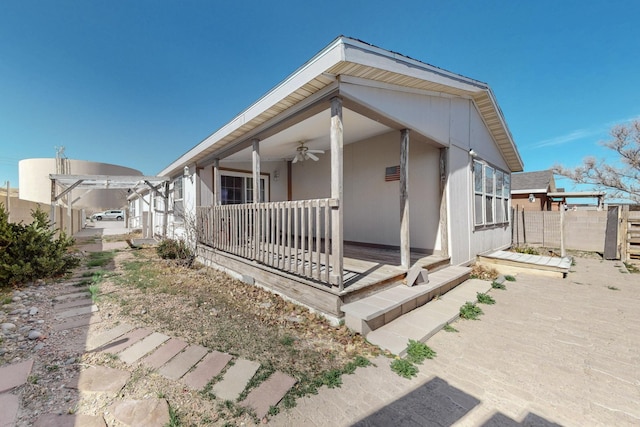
{"type": "Point", "coordinates": [364, 161]}
{"type": "Point", "coordinates": [536, 191]}
{"type": "Point", "coordinates": [530, 191]}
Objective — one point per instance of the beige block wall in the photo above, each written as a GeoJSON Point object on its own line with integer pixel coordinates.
{"type": "Point", "coordinates": [583, 230]}
{"type": "Point", "coordinates": [20, 211]}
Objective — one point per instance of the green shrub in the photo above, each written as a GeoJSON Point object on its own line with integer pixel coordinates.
{"type": "Point", "coordinates": [404, 368]}
{"type": "Point", "coordinates": [470, 311]}
{"type": "Point", "coordinates": [30, 252]}
{"type": "Point", "coordinates": [418, 351]}
{"type": "Point", "coordinates": [174, 249]}
{"type": "Point", "coordinates": [485, 298]}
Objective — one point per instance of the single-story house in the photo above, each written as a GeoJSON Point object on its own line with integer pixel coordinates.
{"type": "Point", "coordinates": [530, 190]}
{"type": "Point", "coordinates": [537, 191]}
{"type": "Point", "coordinates": [360, 164]}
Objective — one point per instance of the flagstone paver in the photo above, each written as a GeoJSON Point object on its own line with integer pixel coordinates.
{"type": "Point", "coordinates": [77, 311]}
{"type": "Point", "coordinates": [143, 347]}
{"type": "Point", "coordinates": [66, 420]}
{"type": "Point", "coordinates": [164, 353]}
{"type": "Point", "coordinates": [269, 393]}
{"type": "Point", "coordinates": [78, 322]}
{"type": "Point", "coordinates": [97, 341]}
{"type": "Point", "coordinates": [209, 367]}
{"type": "Point", "coordinates": [9, 404]}
{"type": "Point", "coordinates": [125, 341]}
{"type": "Point", "coordinates": [74, 303]}
{"type": "Point", "coordinates": [183, 362]}
{"type": "Point", "coordinates": [100, 379]}
{"type": "Point", "coordinates": [141, 413]}
{"type": "Point", "coordinates": [12, 376]}
{"type": "Point", "coordinates": [74, 295]}
{"type": "Point", "coordinates": [235, 379]}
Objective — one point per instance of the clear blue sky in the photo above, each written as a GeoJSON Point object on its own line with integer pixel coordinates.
{"type": "Point", "coordinates": [138, 83]}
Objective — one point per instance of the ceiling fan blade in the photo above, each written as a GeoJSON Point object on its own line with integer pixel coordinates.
{"type": "Point", "coordinates": [316, 151]}
{"type": "Point", "coordinates": [312, 156]}
{"type": "Point", "coordinates": [295, 159]}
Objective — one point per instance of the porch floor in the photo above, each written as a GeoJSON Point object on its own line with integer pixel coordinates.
{"type": "Point", "coordinates": [366, 266]}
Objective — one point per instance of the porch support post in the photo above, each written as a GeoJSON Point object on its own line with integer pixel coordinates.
{"type": "Point", "coordinates": [256, 196]}
{"type": "Point", "coordinates": [165, 214]}
{"type": "Point", "coordinates": [337, 226]}
{"type": "Point", "coordinates": [405, 244]}
{"type": "Point", "coordinates": [54, 201]}
{"type": "Point", "coordinates": [444, 215]}
{"type": "Point", "coordinates": [256, 170]}
{"type": "Point", "coordinates": [217, 184]}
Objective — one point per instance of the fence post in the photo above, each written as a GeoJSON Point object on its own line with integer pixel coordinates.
{"type": "Point", "coordinates": [562, 251]}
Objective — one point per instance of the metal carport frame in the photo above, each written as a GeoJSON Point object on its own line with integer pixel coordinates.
{"type": "Point", "coordinates": [67, 183]}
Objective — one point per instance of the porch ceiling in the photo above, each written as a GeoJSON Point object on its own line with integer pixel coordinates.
{"type": "Point", "coordinates": [314, 131]}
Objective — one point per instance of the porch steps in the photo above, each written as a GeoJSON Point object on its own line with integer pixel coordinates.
{"type": "Point", "coordinates": [423, 322]}
{"type": "Point", "coordinates": [372, 312]}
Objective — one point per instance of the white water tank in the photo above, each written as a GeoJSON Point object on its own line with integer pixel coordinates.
{"type": "Point", "coordinates": [34, 183]}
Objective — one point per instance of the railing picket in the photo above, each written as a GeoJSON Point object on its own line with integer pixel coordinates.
{"type": "Point", "coordinates": [317, 238]}
{"type": "Point", "coordinates": [327, 242]}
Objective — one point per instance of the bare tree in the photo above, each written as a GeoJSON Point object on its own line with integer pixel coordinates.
{"type": "Point", "coordinates": [621, 178]}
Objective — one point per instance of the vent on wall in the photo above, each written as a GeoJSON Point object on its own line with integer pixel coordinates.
{"type": "Point", "coordinates": [392, 173]}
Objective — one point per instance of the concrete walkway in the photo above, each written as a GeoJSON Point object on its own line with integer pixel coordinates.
{"type": "Point", "coordinates": [549, 352]}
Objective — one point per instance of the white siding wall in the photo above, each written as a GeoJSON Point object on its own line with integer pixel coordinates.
{"type": "Point", "coordinates": [429, 115]}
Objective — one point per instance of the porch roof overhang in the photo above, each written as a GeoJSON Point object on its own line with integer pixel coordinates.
{"type": "Point", "coordinates": [304, 93]}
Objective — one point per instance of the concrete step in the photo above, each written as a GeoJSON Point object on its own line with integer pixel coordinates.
{"type": "Point", "coordinates": [125, 341]}
{"type": "Point", "coordinates": [372, 312]}
{"type": "Point", "coordinates": [423, 322]}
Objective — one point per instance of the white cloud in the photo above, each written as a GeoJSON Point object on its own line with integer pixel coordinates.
{"type": "Point", "coordinates": [582, 133]}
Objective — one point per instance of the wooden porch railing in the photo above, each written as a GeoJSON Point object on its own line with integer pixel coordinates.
{"type": "Point", "coordinates": [291, 236]}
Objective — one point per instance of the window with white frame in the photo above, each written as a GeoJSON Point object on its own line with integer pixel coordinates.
{"type": "Point", "coordinates": [237, 188]}
{"type": "Point", "coordinates": [491, 193]}
{"type": "Point", "coordinates": [178, 195]}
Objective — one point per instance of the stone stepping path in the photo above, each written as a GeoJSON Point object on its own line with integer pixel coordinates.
{"type": "Point", "coordinates": [100, 379]}
{"type": "Point", "coordinates": [9, 404]}
{"type": "Point", "coordinates": [77, 311]}
{"type": "Point", "coordinates": [78, 322]}
{"type": "Point", "coordinates": [196, 366]}
{"type": "Point", "coordinates": [210, 367]}
{"type": "Point", "coordinates": [183, 362]}
{"type": "Point", "coordinates": [12, 376]}
{"type": "Point", "coordinates": [125, 341]}
{"type": "Point", "coordinates": [235, 380]}
{"type": "Point", "coordinates": [165, 353]}
{"type": "Point", "coordinates": [141, 413]}
{"type": "Point", "coordinates": [268, 394]}
{"type": "Point", "coordinates": [143, 347]}
{"type": "Point", "coordinates": [193, 365]}
{"type": "Point", "coordinates": [54, 420]}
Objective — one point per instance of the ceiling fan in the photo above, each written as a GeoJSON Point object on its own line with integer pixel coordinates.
{"type": "Point", "coordinates": [305, 154]}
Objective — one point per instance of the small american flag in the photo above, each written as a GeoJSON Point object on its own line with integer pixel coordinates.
{"type": "Point", "coordinates": [392, 173]}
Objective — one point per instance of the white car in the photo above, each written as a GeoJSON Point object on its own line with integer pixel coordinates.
{"type": "Point", "coordinates": [118, 215]}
